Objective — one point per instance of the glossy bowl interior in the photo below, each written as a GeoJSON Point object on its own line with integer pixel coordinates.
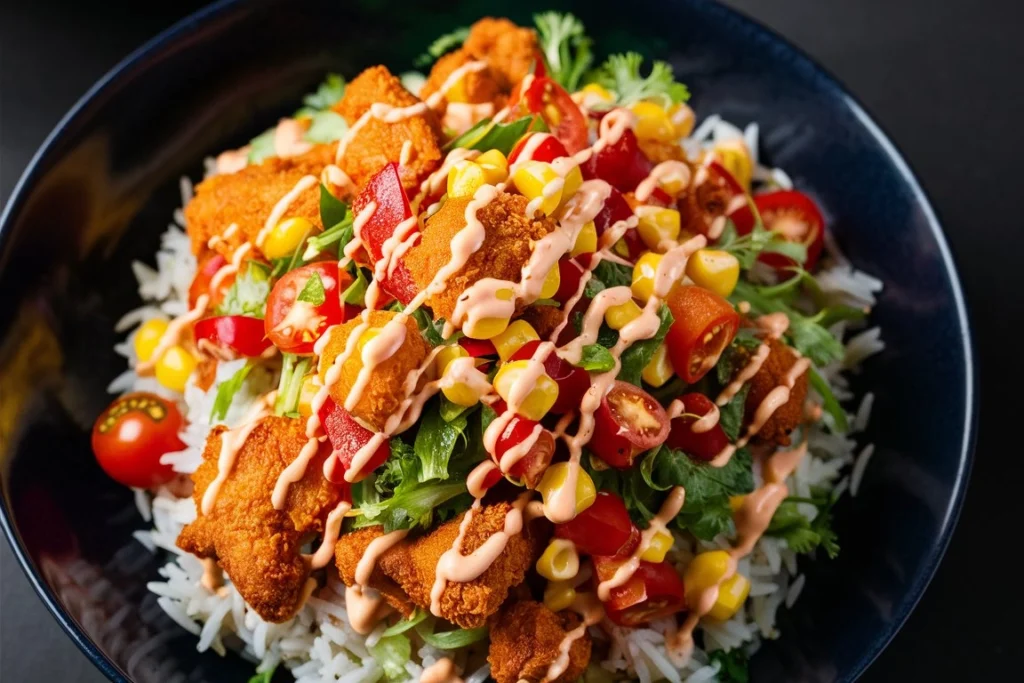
{"type": "Point", "coordinates": [103, 188]}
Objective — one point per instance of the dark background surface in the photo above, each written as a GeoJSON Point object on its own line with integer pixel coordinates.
{"type": "Point", "coordinates": [943, 81]}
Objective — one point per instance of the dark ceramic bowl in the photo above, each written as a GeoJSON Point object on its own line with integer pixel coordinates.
{"type": "Point", "coordinates": [104, 185]}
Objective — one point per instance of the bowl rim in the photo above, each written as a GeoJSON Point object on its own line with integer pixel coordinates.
{"type": "Point", "coordinates": [791, 53]}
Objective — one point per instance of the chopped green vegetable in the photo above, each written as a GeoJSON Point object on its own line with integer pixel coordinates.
{"type": "Point", "coordinates": [801, 534]}
{"type": "Point", "coordinates": [621, 74]}
{"type": "Point", "coordinates": [733, 665]}
{"type": "Point", "coordinates": [392, 653]}
{"type": "Point", "coordinates": [829, 402]}
{"type": "Point", "coordinates": [566, 47]}
{"type": "Point", "coordinates": [805, 333]}
{"type": "Point", "coordinates": [226, 391]}
{"type": "Point", "coordinates": [612, 274]}
{"type": "Point", "coordinates": [747, 248]}
{"type": "Point", "coordinates": [355, 293]}
{"type": "Point", "coordinates": [596, 358]}
{"type": "Point", "coordinates": [442, 45]}
{"type": "Point", "coordinates": [450, 411]}
{"type": "Point", "coordinates": [436, 441]}
{"type": "Point", "coordinates": [730, 416]}
{"type": "Point", "coordinates": [487, 135]}
{"type": "Point", "coordinates": [327, 95]}
{"type": "Point", "coordinates": [412, 508]}
{"type": "Point", "coordinates": [430, 328]}
{"type": "Point", "coordinates": [638, 355]}
{"type": "Point", "coordinates": [261, 147]}
{"type": "Point", "coordinates": [313, 291]}
{"type": "Point", "coordinates": [333, 211]}
{"type": "Point", "coordinates": [325, 126]}
{"type": "Point", "coordinates": [289, 389]}
{"type": "Point", "coordinates": [404, 625]}
{"type": "Point", "coordinates": [248, 294]}
{"type": "Point", "coordinates": [264, 677]}
{"type": "Point", "coordinates": [450, 640]}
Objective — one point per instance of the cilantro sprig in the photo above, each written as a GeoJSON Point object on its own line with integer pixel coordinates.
{"type": "Point", "coordinates": [804, 535]}
{"type": "Point", "coordinates": [566, 47]}
{"type": "Point", "coordinates": [621, 74]}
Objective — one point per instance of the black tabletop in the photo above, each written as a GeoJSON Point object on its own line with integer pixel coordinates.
{"type": "Point", "coordinates": [942, 78]}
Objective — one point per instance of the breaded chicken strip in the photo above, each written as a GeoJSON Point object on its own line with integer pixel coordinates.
{"type": "Point", "coordinates": [700, 205]}
{"type": "Point", "coordinates": [377, 142]}
{"type": "Point", "coordinates": [258, 546]}
{"type": "Point", "coordinates": [658, 151]}
{"type": "Point", "coordinates": [525, 641]}
{"type": "Point", "coordinates": [412, 564]}
{"type": "Point", "coordinates": [247, 198]}
{"type": "Point", "coordinates": [543, 318]}
{"type": "Point", "coordinates": [504, 252]}
{"type": "Point", "coordinates": [509, 50]}
{"type": "Point", "coordinates": [350, 550]}
{"type": "Point", "coordinates": [384, 392]}
{"type": "Point", "coordinates": [475, 87]}
{"type": "Point", "coordinates": [771, 375]}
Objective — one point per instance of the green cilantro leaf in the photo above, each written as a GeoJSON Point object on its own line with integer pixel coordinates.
{"type": "Point", "coordinates": [226, 391]}
{"type": "Point", "coordinates": [596, 358]}
{"type": "Point", "coordinates": [731, 414]}
{"type": "Point", "coordinates": [621, 74]}
{"type": "Point", "coordinates": [801, 534]}
{"type": "Point", "coordinates": [566, 47]}
{"type": "Point", "coordinates": [733, 665]}
{"type": "Point", "coordinates": [327, 95]}
{"type": "Point", "coordinates": [313, 291]}
{"type": "Point", "coordinates": [248, 294]}
{"type": "Point", "coordinates": [442, 45]}
{"type": "Point", "coordinates": [613, 274]}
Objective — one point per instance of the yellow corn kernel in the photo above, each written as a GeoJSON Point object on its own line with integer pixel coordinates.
{"type": "Point", "coordinates": [586, 240]}
{"type": "Point", "coordinates": [619, 316]}
{"type": "Point", "coordinates": [682, 118]}
{"type": "Point", "coordinates": [458, 92]}
{"type": "Point", "coordinates": [536, 180]}
{"type": "Point", "coordinates": [659, 546]}
{"type": "Point", "coordinates": [659, 370]}
{"type": "Point", "coordinates": [705, 570]}
{"type": "Point", "coordinates": [559, 595]}
{"type": "Point", "coordinates": [307, 393]}
{"type": "Point", "coordinates": [459, 393]}
{"type": "Point", "coordinates": [174, 368]}
{"type": "Point", "coordinates": [571, 185]}
{"type": "Point", "coordinates": [656, 224]}
{"type": "Point", "coordinates": [148, 338]}
{"type": "Point", "coordinates": [714, 269]}
{"type": "Point", "coordinates": [285, 237]}
{"type": "Point", "coordinates": [552, 281]}
{"type": "Point", "coordinates": [559, 561]}
{"type": "Point", "coordinates": [735, 157]}
{"type": "Point", "coordinates": [643, 275]}
{"type": "Point", "coordinates": [446, 355]}
{"type": "Point", "coordinates": [736, 502]}
{"type": "Point", "coordinates": [653, 122]}
{"type": "Point", "coordinates": [598, 91]}
{"type": "Point", "coordinates": [368, 334]}
{"type": "Point", "coordinates": [494, 165]}
{"type": "Point", "coordinates": [465, 178]}
{"type": "Point", "coordinates": [731, 596]}
{"type": "Point", "coordinates": [554, 479]}
{"type": "Point", "coordinates": [512, 339]}
{"type": "Point", "coordinates": [541, 397]}
{"type": "Point", "coordinates": [487, 328]}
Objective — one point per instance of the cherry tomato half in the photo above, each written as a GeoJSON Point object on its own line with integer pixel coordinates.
{"type": "Point", "coordinates": [347, 436]}
{"type": "Point", "coordinates": [391, 208]}
{"type": "Point", "coordinates": [572, 381]}
{"type": "Point", "coordinates": [563, 118]}
{"type": "Point", "coordinates": [132, 434]}
{"type": "Point", "coordinates": [201, 282]}
{"type": "Point", "coordinates": [545, 148]}
{"type": "Point", "coordinates": [604, 528]}
{"type": "Point", "coordinates": [704, 325]}
{"type": "Point", "coordinates": [628, 422]}
{"type": "Point", "coordinates": [530, 468]}
{"type": "Point", "coordinates": [653, 592]}
{"type": "Point", "coordinates": [244, 335]}
{"type": "Point", "coordinates": [793, 216]}
{"type": "Point", "coordinates": [703, 445]}
{"type": "Point", "coordinates": [294, 326]}
{"type": "Point", "coordinates": [621, 164]}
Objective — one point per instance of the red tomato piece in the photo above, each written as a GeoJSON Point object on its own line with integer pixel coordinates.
{"type": "Point", "coordinates": [478, 348]}
{"type": "Point", "coordinates": [564, 119]}
{"type": "Point", "coordinates": [793, 216]}
{"type": "Point", "coordinates": [704, 325]}
{"type": "Point", "coordinates": [604, 528]}
{"type": "Point", "coordinates": [294, 326]}
{"type": "Point", "coordinates": [572, 381]}
{"type": "Point", "coordinates": [615, 209]}
{"type": "Point", "coordinates": [391, 208]}
{"type": "Point", "coordinates": [348, 436]}
{"type": "Point", "coordinates": [530, 468]}
{"type": "Point", "coordinates": [241, 334]}
{"type": "Point", "coordinates": [628, 422]}
{"type": "Point", "coordinates": [622, 164]}
{"type": "Point", "coordinates": [703, 445]}
{"type": "Point", "coordinates": [570, 272]}
{"type": "Point", "coordinates": [131, 435]}
{"type": "Point", "coordinates": [548, 148]}
{"type": "Point", "coordinates": [201, 282]}
{"type": "Point", "coordinates": [653, 592]}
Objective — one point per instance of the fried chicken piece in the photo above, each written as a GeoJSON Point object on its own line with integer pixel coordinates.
{"type": "Point", "coordinates": [504, 252]}
{"type": "Point", "coordinates": [771, 375]}
{"type": "Point", "coordinates": [543, 318]}
{"type": "Point", "coordinates": [475, 87]}
{"type": "Point", "coordinates": [258, 546]}
{"type": "Point", "coordinates": [525, 641]}
{"type": "Point", "coordinates": [247, 198]}
{"type": "Point", "coordinates": [700, 205]}
{"type": "Point", "coordinates": [350, 550]}
{"type": "Point", "coordinates": [658, 151]}
{"type": "Point", "coordinates": [413, 565]}
{"type": "Point", "coordinates": [509, 50]}
{"type": "Point", "coordinates": [377, 142]}
{"type": "Point", "coordinates": [384, 392]}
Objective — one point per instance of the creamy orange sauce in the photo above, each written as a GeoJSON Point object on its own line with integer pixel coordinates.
{"type": "Point", "coordinates": [590, 609]}
{"type": "Point", "coordinates": [332, 530]}
{"type": "Point", "coordinates": [213, 576]}
{"type": "Point", "coordinates": [441, 671]}
{"type": "Point", "coordinates": [676, 172]}
{"type": "Point", "coordinates": [365, 607]}
{"type": "Point", "coordinates": [290, 138]}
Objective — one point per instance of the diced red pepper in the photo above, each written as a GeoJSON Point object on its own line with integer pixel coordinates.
{"type": "Point", "coordinates": [347, 437]}
{"type": "Point", "coordinates": [653, 592]}
{"type": "Point", "coordinates": [241, 334]}
{"type": "Point", "coordinates": [391, 207]}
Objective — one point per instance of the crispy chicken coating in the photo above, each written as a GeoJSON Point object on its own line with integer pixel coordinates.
{"type": "Point", "coordinates": [508, 49]}
{"type": "Point", "coordinates": [658, 151]}
{"type": "Point", "coordinates": [258, 546]}
{"type": "Point", "coordinates": [504, 252]}
{"type": "Point", "coordinates": [475, 87]}
{"type": "Point", "coordinates": [771, 375]}
{"type": "Point", "coordinates": [525, 640]}
{"type": "Point", "coordinates": [247, 198]}
{"type": "Point", "coordinates": [377, 141]}
{"type": "Point", "coordinates": [543, 318]}
{"type": "Point", "coordinates": [700, 205]}
{"type": "Point", "coordinates": [350, 550]}
{"type": "Point", "coordinates": [384, 392]}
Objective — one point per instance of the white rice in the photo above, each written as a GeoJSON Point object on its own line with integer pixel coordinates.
{"type": "Point", "coordinates": [319, 646]}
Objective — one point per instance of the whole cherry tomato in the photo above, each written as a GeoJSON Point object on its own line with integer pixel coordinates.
{"type": "Point", "coordinates": [293, 325]}
{"type": "Point", "coordinates": [703, 445]}
{"type": "Point", "coordinates": [628, 422]}
{"type": "Point", "coordinates": [131, 435]}
{"type": "Point", "coordinates": [604, 528]}
{"type": "Point", "coordinates": [704, 324]}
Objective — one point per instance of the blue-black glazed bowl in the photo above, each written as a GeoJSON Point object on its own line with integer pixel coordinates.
{"type": "Point", "coordinates": [102, 188]}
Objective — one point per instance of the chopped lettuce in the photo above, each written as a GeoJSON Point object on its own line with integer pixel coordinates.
{"type": "Point", "coordinates": [638, 355]}
{"type": "Point", "coordinates": [436, 441]}
{"type": "Point", "coordinates": [450, 640]}
{"type": "Point", "coordinates": [804, 535]}
{"type": "Point", "coordinates": [248, 294]}
{"type": "Point", "coordinates": [226, 391]}
{"type": "Point", "coordinates": [325, 126]}
{"type": "Point", "coordinates": [392, 653]}
{"type": "Point", "coordinates": [289, 389]}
